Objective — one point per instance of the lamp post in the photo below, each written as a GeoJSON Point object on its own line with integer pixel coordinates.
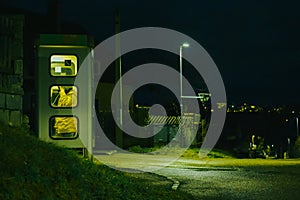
{"type": "Point", "coordinates": [184, 45]}
{"type": "Point", "coordinates": [297, 125]}
{"type": "Point", "coordinates": [118, 71]}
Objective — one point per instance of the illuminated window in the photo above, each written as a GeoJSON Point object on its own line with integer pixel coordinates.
{"type": "Point", "coordinates": [63, 127]}
{"type": "Point", "coordinates": [63, 96]}
{"type": "Point", "coordinates": [63, 65]}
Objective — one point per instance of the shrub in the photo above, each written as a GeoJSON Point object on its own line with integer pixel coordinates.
{"type": "Point", "coordinates": [297, 148]}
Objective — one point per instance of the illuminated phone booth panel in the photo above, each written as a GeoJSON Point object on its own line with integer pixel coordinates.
{"type": "Point", "coordinates": [63, 65]}
{"type": "Point", "coordinates": [63, 127]}
{"type": "Point", "coordinates": [63, 96]}
{"type": "Point", "coordinates": [64, 110]}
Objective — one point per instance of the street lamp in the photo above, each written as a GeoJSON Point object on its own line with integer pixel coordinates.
{"type": "Point", "coordinates": [184, 45]}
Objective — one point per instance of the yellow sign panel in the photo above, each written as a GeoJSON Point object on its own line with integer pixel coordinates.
{"type": "Point", "coordinates": [63, 96]}
{"type": "Point", "coordinates": [63, 65]}
{"type": "Point", "coordinates": [63, 127]}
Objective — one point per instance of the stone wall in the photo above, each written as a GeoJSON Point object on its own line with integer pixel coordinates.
{"type": "Point", "coordinates": [11, 69]}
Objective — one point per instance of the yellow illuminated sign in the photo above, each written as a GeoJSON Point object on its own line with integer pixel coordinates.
{"type": "Point", "coordinates": [63, 65]}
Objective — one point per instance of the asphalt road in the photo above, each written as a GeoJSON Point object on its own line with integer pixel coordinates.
{"type": "Point", "coordinates": [282, 182]}
{"type": "Point", "coordinates": [223, 178]}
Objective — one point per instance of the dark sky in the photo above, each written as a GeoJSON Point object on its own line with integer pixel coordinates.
{"type": "Point", "coordinates": [255, 44]}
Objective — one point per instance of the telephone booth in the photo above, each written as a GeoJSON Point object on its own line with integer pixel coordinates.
{"type": "Point", "coordinates": [64, 109]}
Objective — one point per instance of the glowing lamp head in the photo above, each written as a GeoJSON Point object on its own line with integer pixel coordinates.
{"type": "Point", "coordinates": [185, 45]}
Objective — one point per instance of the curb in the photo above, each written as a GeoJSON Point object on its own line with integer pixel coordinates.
{"type": "Point", "coordinates": [176, 183]}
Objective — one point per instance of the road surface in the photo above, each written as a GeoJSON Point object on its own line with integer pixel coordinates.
{"type": "Point", "coordinates": [221, 178]}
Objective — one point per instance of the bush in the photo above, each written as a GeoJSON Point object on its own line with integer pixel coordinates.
{"type": "Point", "coordinates": [297, 148]}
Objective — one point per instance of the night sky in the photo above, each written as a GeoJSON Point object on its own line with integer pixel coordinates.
{"type": "Point", "coordinates": [255, 44]}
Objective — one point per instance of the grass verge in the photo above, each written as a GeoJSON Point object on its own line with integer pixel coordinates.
{"type": "Point", "coordinates": [192, 153]}
{"type": "Point", "coordinates": [32, 169]}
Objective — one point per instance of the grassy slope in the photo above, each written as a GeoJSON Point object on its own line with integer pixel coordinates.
{"type": "Point", "coordinates": [31, 169]}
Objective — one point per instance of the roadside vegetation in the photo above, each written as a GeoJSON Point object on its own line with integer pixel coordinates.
{"type": "Point", "coordinates": [192, 153]}
{"type": "Point", "coordinates": [297, 148]}
{"type": "Point", "coordinates": [32, 169]}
